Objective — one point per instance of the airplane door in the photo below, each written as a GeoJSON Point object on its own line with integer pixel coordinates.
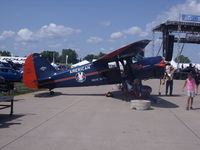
{"type": "Point", "coordinates": [113, 74]}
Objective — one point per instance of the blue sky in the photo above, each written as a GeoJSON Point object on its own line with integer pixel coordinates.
{"type": "Point", "coordinates": [88, 26]}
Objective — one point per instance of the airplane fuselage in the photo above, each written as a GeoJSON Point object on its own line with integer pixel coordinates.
{"type": "Point", "coordinates": [91, 74]}
{"type": "Point", "coordinates": [86, 75]}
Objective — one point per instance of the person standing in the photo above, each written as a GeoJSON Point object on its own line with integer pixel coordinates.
{"type": "Point", "coordinates": [169, 74]}
{"type": "Point", "coordinates": [190, 82]}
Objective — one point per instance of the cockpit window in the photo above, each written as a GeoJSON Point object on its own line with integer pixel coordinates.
{"type": "Point", "coordinates": [112, 64]}
{"type": "Point", "coordinates": [137, 57]}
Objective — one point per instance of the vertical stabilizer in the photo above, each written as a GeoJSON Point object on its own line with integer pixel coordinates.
{"type": "Point", "coordinates": [29, 74]}
{"type": "Point", "coordinates": [37, 69]}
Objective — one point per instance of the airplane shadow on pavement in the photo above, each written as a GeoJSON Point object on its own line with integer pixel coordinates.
{"type": "Point", "coordinates": [161, 102]}
{"type": "Point", "coordinates": [156, 100]}
{"type": "Point", "coordinates": [47, 94]}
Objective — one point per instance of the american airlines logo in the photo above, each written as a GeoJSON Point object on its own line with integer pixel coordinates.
{"type": "Point", "coordinates": [80, 77]}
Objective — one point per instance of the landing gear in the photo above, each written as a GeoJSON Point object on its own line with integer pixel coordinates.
{"type": "Point", "coordinates": [51, 92]}
{"type": "Point", "coordinates": [109, 94]}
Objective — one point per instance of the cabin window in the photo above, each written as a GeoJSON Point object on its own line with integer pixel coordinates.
{"type": "Point", "coordinates": [112, 64]}
{"type": "Point", "coordinates": [137, 57]}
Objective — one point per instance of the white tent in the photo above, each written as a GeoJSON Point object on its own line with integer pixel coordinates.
{"type": "Point", "coordinates": [80, 63]}
{"type": "Point", "coordinates": [184, 65]}
{"type": "Point", "coordinates": [20, 60]}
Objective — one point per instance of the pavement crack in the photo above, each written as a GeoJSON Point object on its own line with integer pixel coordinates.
{"type": "Point", "coordinates": [187, 126]}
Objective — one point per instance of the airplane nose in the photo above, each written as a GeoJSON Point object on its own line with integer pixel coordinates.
{"type": "Point", "coordinates": [162, 63]}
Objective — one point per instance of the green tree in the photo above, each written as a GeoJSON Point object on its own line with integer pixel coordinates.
{"type": "Point", "coordinates": [5, 53]}
{"type": "Point", "coordinates": [90, 57]}
{"type": "Point", "coordinates": [100, 54]}
{"type": "Point", "coordinates": [182, 59]}
{"type": "Point", "coordinates": [71, 54]}
{"type": "Point", "coordinates": [50, 54]}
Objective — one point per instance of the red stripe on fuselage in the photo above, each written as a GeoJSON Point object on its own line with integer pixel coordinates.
{"type": "Point", "coordinates": [73, 77]}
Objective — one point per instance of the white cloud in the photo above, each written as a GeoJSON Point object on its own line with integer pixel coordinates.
{"type": "Point", "coordinates": [47, 31]}
{"type": "Point", "coordinates": [6, 34]}
{"type": "Point", "coordinates": [94, 39]}
{"type": "Point", "coordinates": [189, 7]}
{"type": "Point", "coordinates": [52, 30]}
{"type": "Point", "coordinates": [134, 30]}
{"type": "Point", "coordinates": [144, 34]}
{"type": "Point", "coordinates": [25, 35]}
{"type": "Point", "coordinates": [117, 35]}
{"type": "Point", "coordinates": [173, 14]}
{"type": "Point", "coordinates": [105, 23]}
{"type": "Point", "coordinates": [47, 36]}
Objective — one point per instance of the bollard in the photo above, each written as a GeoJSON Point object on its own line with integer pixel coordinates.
{"type": "Point", "coordinates": [140, 104]}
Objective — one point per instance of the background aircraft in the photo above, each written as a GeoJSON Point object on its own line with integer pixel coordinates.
{"type": "Point", "coordinates": [129, 65]}
{"type": "Point", "coordinates": [8, 75]}
{"type": "Point", "coordinates": [10, 72]}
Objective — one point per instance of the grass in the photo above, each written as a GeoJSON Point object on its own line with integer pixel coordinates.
{"type": "Point", "coordinates": [21, 89]}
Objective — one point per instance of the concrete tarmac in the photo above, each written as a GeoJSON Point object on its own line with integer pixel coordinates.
{"type": "Point", "coordinates": [84, 119]}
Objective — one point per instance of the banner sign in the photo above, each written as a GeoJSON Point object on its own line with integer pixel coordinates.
{"type": "Point", "coordinates": [192, 18]}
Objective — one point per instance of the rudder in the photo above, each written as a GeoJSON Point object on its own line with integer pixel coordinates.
{"type": "Point", "coordinates": [36, 68]}
{"type": "Point", "coordinates": [29, 74]}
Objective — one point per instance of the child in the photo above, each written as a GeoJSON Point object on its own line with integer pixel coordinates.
{"type": "Point", "coordinates": [190, 82]}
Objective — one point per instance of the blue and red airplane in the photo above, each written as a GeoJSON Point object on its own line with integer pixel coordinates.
{"type": "Point", "coordinates": [129, 65]}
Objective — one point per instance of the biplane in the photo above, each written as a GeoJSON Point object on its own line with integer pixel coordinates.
{"type": "Point", "coordinates": [129, 63]}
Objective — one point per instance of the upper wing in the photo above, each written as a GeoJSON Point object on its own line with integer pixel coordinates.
{"type": "Point", "coordinates": [126, 51]}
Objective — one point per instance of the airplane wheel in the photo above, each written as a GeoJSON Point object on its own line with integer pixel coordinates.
{"type": "Point", "coordinates": [52, 92]}
{"type": "Point", "coordinates": [109, 94]}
